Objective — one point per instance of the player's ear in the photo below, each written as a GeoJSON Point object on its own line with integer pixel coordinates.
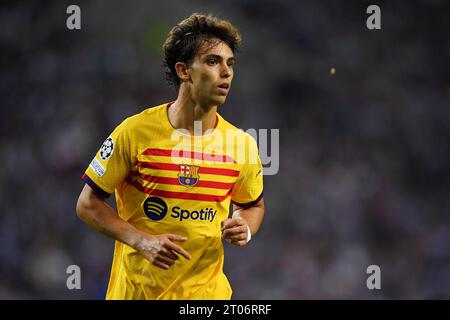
{"type": "Point", "coordinates": [182, 71]}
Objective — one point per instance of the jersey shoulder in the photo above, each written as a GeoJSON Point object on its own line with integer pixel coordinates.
{"type": "Point", "coordinates": [237, 132]}
{"type": "Point", "coordinates": [152, 115]}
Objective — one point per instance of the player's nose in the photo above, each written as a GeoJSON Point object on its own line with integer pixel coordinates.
{"type": "Point", "coordinates": [226, 71]}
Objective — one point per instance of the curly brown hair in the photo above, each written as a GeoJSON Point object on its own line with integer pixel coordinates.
{"type": "Point", "coordinates": [185, 38]}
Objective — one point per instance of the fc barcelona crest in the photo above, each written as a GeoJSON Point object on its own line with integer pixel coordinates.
{"type": "Point", "coordinates": [188, 175]}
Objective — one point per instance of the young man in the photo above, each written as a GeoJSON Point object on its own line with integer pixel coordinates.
{"type": "Point", "coordinates": [173, 197]}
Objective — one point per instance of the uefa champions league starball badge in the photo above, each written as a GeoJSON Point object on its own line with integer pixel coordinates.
{"type": "Point", "coordinates": [107, 149]}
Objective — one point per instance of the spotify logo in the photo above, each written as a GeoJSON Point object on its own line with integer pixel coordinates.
{"type": "Point", "coordinates": [155, 208]}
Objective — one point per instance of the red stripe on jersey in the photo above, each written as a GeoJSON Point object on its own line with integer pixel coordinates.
{"type": "Point", "coordinates": [180, 195]}
{"type": "Point", "coordinates": [201, 183]}
{"type": "Point", "coordinates": [176, 167]}
{"type": "Point", "coordinates": [189, 154]}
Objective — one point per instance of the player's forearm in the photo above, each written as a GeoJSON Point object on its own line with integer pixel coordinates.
{"type": "Point", "coordinates": [253, 215]}
{"type": "Point", "coordinates": [100, 216]}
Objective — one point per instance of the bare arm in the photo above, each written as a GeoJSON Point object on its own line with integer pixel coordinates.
{"type": "Point", "coordinates": [158, 249]}
{"type": "Point", "coordinates": [234, 230]}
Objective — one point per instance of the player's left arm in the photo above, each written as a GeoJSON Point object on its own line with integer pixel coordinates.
{"type": "Point", "coordinates": [235, 230]}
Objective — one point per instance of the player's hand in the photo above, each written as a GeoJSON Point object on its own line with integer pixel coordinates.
{"type": "Point", "coordinates": [234, 231]}
{"type": "Point", "coordinates": [160, 249]}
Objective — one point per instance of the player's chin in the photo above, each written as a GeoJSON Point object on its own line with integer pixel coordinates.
{"type": "Point", "coordinates": [220, 99]}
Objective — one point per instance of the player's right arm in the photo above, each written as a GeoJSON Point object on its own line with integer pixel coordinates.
{"type": "Point", "coordinates": [109, 168]}
{"type": "Point", "coordinates": [158, 249]}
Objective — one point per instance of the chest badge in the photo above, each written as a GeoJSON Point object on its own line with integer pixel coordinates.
{"type": "Point", "coordinates": [188, 175]}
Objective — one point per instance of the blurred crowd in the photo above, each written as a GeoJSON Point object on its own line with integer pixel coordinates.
{"type": "Point", "coordinates": [364, 174]}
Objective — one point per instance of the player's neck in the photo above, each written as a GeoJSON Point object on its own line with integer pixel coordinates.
{"type": "Point", "coordinates": [185, 111]}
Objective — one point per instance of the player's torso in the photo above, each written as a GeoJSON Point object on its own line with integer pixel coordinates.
{"type": "Point", "coordinates": [179, 184]}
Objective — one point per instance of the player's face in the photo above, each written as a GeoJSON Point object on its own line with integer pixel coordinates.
{"type": "Point", "coordinates": [212, 72]}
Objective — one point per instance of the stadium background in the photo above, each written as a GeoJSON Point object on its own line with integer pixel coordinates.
{"type": "Point", "coordinates": [364, 153]}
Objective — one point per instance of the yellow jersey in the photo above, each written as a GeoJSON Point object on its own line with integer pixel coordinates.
{"type": "Point", "coordinates": [167, 181]}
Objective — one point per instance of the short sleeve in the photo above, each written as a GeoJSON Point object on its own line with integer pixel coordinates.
{"type": "Point", "coordinates": [248, 189]}
{"type": "Point", "coordinates": [112, 163]}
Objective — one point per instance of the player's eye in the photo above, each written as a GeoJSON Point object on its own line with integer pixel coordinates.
{"type": "Point", "coordinates": [212, 61]}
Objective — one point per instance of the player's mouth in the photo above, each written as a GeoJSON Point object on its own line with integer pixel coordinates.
{"type": "Point", "coordinates": [224, 88]}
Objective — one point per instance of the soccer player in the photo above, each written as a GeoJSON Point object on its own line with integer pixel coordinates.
{"type": "Point", "coordinates": [173, 183]}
